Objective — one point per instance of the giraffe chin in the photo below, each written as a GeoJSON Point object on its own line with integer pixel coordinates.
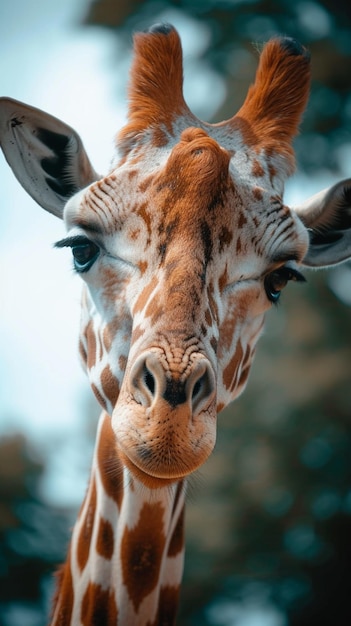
{"type": "Point", "coordinates": [157, 479]}
{"type": "Point", "coordinates": [161, 445]}
{"type": "Point", "coordinates": [148, 480]}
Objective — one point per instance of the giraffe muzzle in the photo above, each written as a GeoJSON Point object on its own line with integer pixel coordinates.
{"type": "Point", "coordinates": [165, 417]}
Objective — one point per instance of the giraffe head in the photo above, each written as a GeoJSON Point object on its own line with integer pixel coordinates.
{"type": "Point", "coordinates": [183, 246]}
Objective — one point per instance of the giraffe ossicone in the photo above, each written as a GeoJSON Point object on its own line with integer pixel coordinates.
{"type": "Point", "coordinates": [182, 246]}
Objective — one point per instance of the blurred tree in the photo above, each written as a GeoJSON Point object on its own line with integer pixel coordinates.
{"type": "Point", "coordinates": [33, 536]}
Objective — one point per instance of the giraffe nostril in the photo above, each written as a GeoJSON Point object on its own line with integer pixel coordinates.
{"type": "Point", "coordinates": [146, 379]}
{"type": "Point", "coordinates": [149, 383]}
{"type": "Point", "coordinates": [149, 380]}
{"type": "Point", "coordinates": [201, 387]}
{"type": "Point", "coordinates": [197, 387]}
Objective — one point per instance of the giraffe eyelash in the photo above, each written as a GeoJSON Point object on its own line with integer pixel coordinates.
{"type": "Point", "coordinates": [85, 252]}
{"type": "Point", "coordinates": [70, 242]}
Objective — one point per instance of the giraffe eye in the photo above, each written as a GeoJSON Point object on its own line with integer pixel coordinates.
{"type": "Point", "coordinates": [275, 282]}
{"type": "Point", "coordinates": [85, 252]}
{"type": "Point", "coordinates": [84, 255]}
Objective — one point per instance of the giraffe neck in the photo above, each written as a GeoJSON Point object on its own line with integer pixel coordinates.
{"type": "Point", "coordinates": [125, 561]}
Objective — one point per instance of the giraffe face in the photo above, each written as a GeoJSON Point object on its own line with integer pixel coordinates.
{"type": "Point", "coordinates": [182, 249]}
{"type": "Point", "coordinates": [183, 246]}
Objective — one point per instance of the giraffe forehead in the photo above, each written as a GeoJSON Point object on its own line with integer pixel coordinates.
{"type": "Point", "coordinates": [192, 193]}
{"type": "Point", "coordinates": [176, 196]}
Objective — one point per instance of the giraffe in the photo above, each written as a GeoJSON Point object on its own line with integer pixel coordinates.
{"type": "Point", "coordinates": [183, 247]}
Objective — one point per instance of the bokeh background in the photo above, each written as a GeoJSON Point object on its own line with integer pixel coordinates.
{"type": "Point", "coordinates": [269, 515]}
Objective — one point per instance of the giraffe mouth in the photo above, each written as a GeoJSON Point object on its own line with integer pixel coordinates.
{"type": "Point", "coordinates": [149, 478]}
{"type": "Point", "coordinates": [168, 459]}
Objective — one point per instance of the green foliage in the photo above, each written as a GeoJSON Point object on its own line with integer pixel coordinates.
{"type": "Point", "coordinates": [33, 536]}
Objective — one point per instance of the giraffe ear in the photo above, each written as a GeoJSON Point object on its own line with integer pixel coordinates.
{"type": "Point", "coordinates": [271, 113]}
{"type": "Point", "coordinates": [327, 215]}
{"type": "Point", "coordinates": [46, 155]}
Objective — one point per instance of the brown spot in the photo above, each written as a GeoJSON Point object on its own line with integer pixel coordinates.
{"type": "Point", "coordinates": [257, 193]}
{"type": "Point", "coordinates": [134, 234]}
{"type": "Point", "coordinates": [226, 333]}
{"type": "Point", "coordinates": [257, 169]}
{"type": "Point", "coordinates": [110, 385]}
{"type": "Point", "coordinates": [141, 553]}
{"type": "Point", "coordinates": [64, 596]}
{"type": "Point", "coordinates": [144, 214]}
{"type": "Point", "coordinates": [243, 376]}
{"type": "Point", "coordinates": [113, 283]}
{"type": "Point", "coordinates": [86, 531]}
{"type": "Point", "coordinates": [142, 265]}
{"type": "Point", "coordinates": [132, 174]}
{"type": "Point", "coordinates": [223, 280]}
{"type": "Point", "coordinates": [230, 372]}
{"type": "Point", "coordinates": [137, 333]}
{"type": "Point", "coordinates": [238, 245]}
{"type": "Point", "coordinates": [214, 344]}
{"type": "Point", "coordinates": [122, 362]}
{"type": "Point", "coordinates": [155, 309]}
{"type": "Point", "coordinates": [105, 539]}
{"type": "Point", "coordinates": [98, 606]}
{"type": "Point", "coordinates": [101, 400]}
{"type": "Point", "coordinates": [91, 344]}
{"type": "Point", "coordinates": [220, 406]}
{"type": "Point", "coordinates": [110, 332]}
{"type": "Point", "coordinates": [110, 467]}
{"type": "Point", "coordinates": [225, 238]}
{"type": "Point", "coordinates": [208, 317]}
{"type": "Point", "coordinates": [176, 544]}
{"type": "Point", "coordinates": [167, 607]}
{"type": "Point", "coordinates": [242, 220]}
{"type": "Point", "coordinates": [145, 295]}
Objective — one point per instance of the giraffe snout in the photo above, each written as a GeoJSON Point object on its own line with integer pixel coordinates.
{"type": "Point", "coordinates": [165, 417]}
{"type": "Point", "coordinates": [151, 382]}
